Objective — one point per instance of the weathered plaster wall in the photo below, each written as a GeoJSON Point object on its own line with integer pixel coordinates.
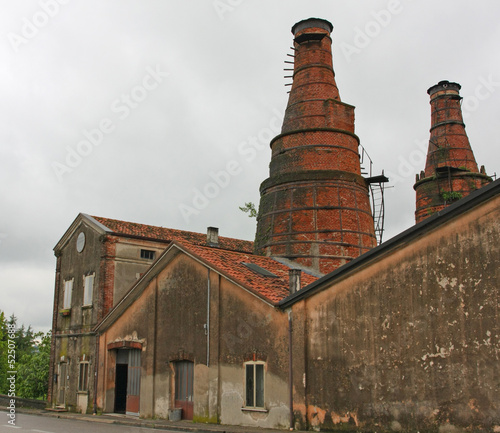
{"type": "Point", "coordinates": [75, 265]}
{"type": "Point", "coordinates": [137, 326]}
{"type": "Point", "coordinates": [233, 412]}
{"type": "Point", "coordinates": [169, 319]}
{"type": "Point", "coordinates": [73, 339]}
{"type": "Point", "coordinates": [411, 341]}
{"type": "Point", "coordinates": [252, 330]}
{"type": "Point", "coordinates": [71, 350]}
{"type": "Point", "coordinates": [129, 265]}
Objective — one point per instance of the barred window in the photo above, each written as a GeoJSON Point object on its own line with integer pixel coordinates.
{"type": "Point", "coordinates": [147, 254]}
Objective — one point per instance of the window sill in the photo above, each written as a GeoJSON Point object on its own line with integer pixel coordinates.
{"type": "Point", "coordinates": [87, 307]}
{"type": "Point", "coordinates": [254, 409]}
{"type": "Point", "coordinates": [82, 392]}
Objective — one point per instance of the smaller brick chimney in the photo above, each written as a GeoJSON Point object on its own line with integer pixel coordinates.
{"type": "Point", "coordinates": [451, 170]}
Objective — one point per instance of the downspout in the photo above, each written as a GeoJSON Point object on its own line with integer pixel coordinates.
{"type": "Point", "coordinates": [207, 325]}
{"type": "Point", "coordinates": [294, 281]}
{"type": "Point", "coordinates": [96, 362]}
{"type": "Point", "coordinates": [290, 367]}
{"type": "Point", "coordinates": [155, 343]}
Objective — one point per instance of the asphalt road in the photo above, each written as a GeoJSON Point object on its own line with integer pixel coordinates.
{"type": "Point", "coordinates": [44, 424]}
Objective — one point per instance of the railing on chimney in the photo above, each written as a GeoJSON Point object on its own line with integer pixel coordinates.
{"type": "Point", "coordinates": [377, 188]}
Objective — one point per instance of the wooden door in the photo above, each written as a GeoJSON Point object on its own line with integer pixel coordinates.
{"type": "Point", "coordinates": [63, 377]}
{"type": "Point", "coordinates": [184, 375]}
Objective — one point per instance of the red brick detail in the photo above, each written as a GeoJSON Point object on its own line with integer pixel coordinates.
{"type": "Point", "coordinates": [125, 345]}
{"type": "Point", "coordinates": [107, 280]}
{"type": "Point", "coordinates": [451, 171]}
{"type": "Point", "coordinates": [315, 207]}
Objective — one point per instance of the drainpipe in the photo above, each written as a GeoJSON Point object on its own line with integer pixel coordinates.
{"type": "Point", "coordinates": [155, 345]}
{"type": "Point", "coordinates": [290, 367]}
{"type": "Point", "coordinates": [96, 366]}
{"type": "Point", "coordinates": [207, 325]}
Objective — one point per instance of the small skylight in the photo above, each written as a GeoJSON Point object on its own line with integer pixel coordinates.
{"type": "Point", "coordinates": [259, 270]}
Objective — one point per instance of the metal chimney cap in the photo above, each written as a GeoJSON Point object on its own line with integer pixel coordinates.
{"type": "Point", "coordinates": [312, 22]}
{"type": "Point", "coordinates": [444, 85]}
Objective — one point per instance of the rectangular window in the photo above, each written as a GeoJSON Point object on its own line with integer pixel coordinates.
{"type": "Point", "coordinates": [83, 380]}
{"type": "Point", "coordinates": [254, 384]}
{"type": "Point", "coordinates": [68, 289]}
{"type": "Point", "coordinates": [147, 254]}
{"type": "Point", "coordinates": [88, 289]}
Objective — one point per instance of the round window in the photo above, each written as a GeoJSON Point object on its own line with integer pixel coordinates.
{"type": "Point", "coordinates": [80, 242]}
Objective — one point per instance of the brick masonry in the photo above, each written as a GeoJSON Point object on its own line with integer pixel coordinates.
{"type": "Point", "coordinates": [451, 171]}
{"type": "Point", "coordinates": [314, 206]}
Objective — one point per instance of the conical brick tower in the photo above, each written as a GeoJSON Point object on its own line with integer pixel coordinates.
{"type": "Point", "coordinates": [451, 171]}
{"type": "Point", "coordinates": [314, 207]}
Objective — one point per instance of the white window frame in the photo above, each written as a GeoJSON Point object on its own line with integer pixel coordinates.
{"type": "Point", "coordinates": [255, 398]}
{"type": "Point", "coordinates": [88, 289]}
{"type": "Point", "coordinates": [68, 290]}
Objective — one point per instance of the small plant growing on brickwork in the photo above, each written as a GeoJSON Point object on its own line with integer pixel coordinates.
{"type": "Point", "coordinates": [451, 195]}
{"type": "Point", "coordinates": [250, 209]}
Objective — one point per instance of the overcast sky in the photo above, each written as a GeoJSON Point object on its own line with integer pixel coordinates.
{"type": "Point", "coordinates": [160, 112]}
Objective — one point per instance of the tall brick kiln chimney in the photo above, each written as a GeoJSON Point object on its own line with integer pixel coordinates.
{"type": "Point", "coordinates": [314, 207]}
{"type": "Point", "coordinates": [450, 170]}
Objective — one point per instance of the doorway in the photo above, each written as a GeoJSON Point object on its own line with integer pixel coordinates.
{"type": "Point", "coordinates": [121, 388]}
{"type": "Point", "coordinates": [184, 375]}
{"type": "Point", "coordinates": [127, 381]}
{"type": "Point", "coordinates": [63, 377]}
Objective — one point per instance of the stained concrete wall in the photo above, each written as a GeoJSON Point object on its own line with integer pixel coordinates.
{"type": "Point", "coordinates": [73, 337]}
{"type": "Point", "coordinates": [168, 319]}
{"type": "Point", "coordinates": [410, 340]}
{"type": "Point", "coordinates": [116, 265]}
{"type": "Point", "coordinates": [252, 330]}
{"type": "Point", "coordinates": [129, 266]}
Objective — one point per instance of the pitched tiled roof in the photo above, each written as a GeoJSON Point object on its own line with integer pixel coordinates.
{"type": "Point", "coordinates": [231, 264]}
{"type": "Point", "coordinates": [169, 235]}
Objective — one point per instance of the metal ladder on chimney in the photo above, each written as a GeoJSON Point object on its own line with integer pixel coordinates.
{"type": "Point", "coordinates": [377, 187]}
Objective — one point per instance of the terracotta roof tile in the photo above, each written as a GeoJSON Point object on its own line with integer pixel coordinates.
{"type": "Point", "coordinates": [231, 264]}
{"type": "Point", "coordinates": [168, 235]}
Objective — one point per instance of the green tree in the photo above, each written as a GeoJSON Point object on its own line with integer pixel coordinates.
{"type": "Point", "coordinates": [32, 351]}
{"type": "Point", "coordinates": [24, 338]}
{"type": "Point", "coordinates": [33, 368]}
{"type": "Point", "coordinates": [3, 354]}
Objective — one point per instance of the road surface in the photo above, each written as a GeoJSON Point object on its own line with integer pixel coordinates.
{"type": "Point", "coordinates": [48, 424]}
